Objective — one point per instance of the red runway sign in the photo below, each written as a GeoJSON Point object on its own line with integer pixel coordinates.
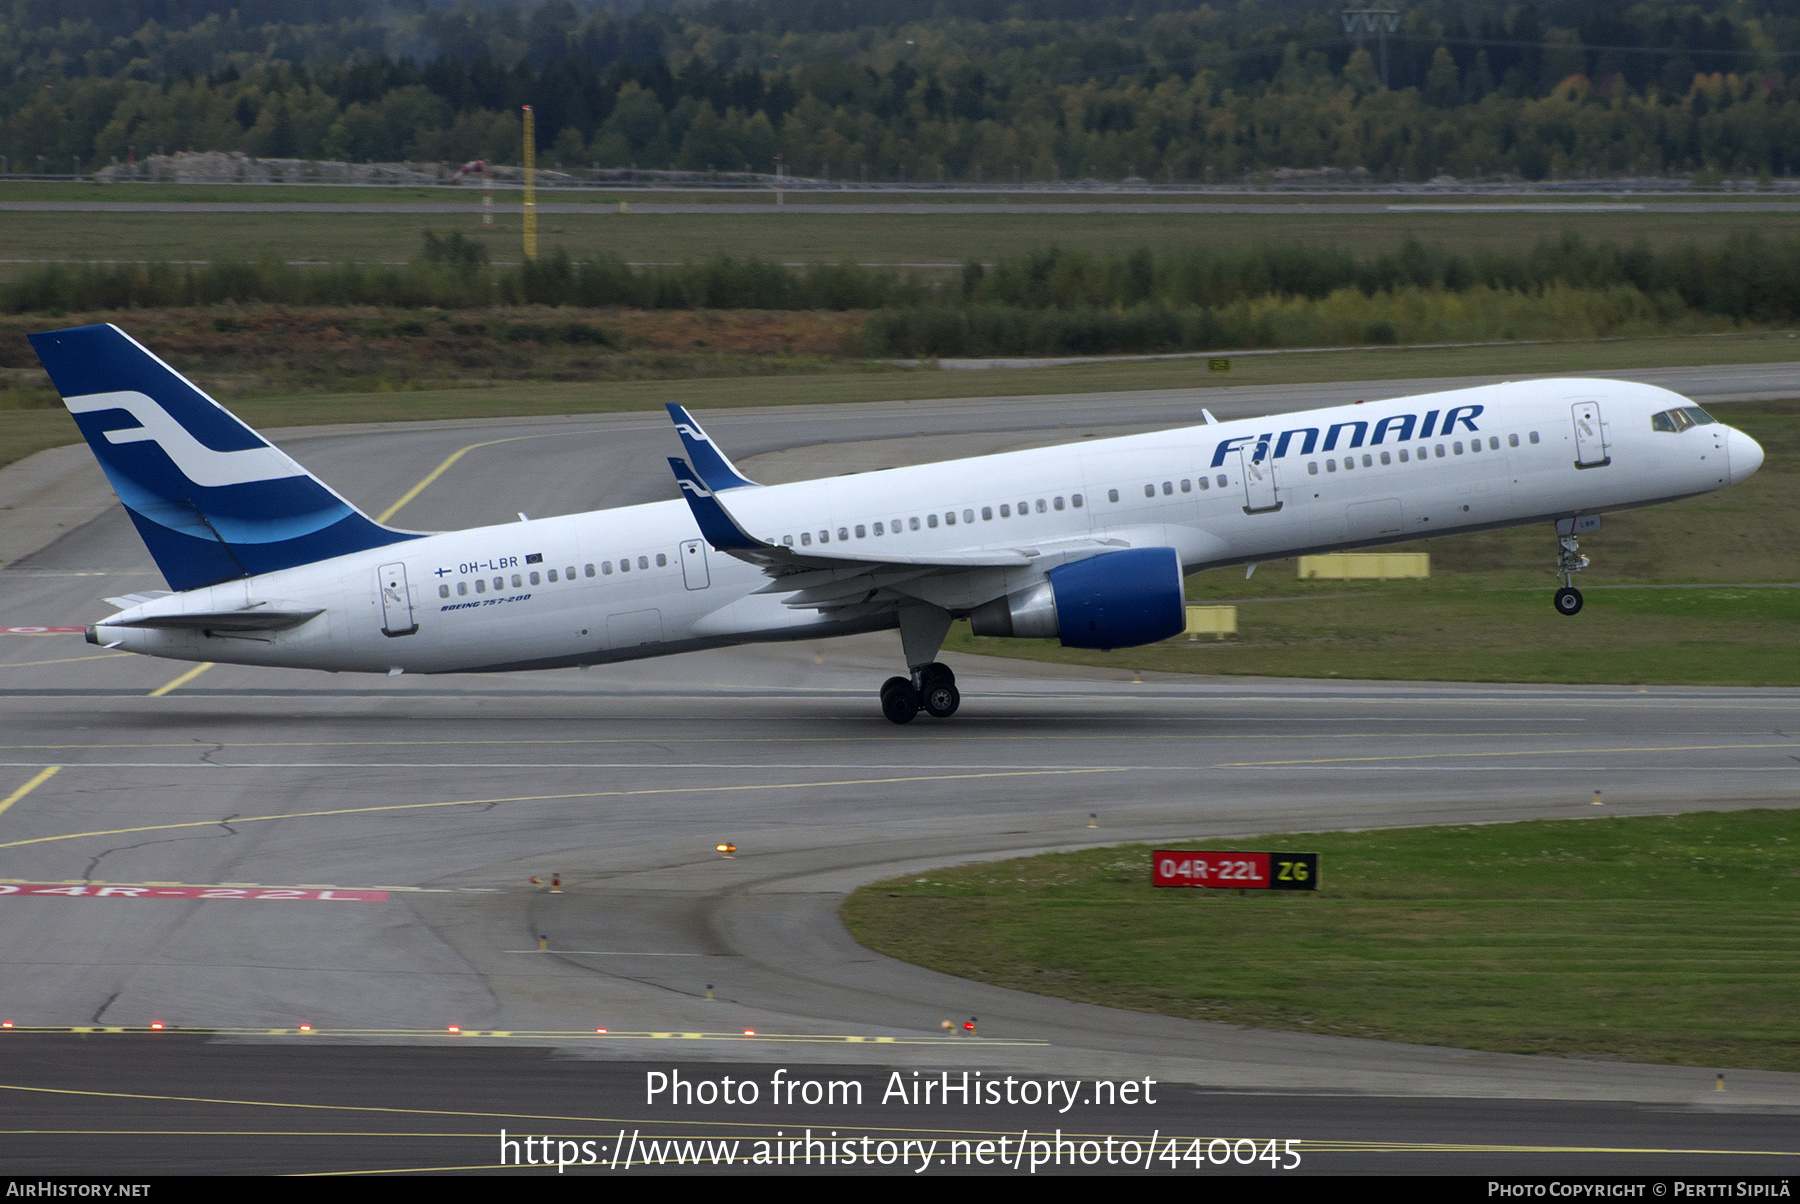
{"type": "Point", "coordinates": [1234, 870]}
{"type": "Point", "coordinates": [264, 893]}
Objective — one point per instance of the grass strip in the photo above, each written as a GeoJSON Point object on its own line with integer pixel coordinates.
{"type": "Point", "coordinates": [1653, 939]}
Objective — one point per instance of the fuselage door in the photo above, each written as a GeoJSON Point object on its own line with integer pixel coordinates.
{"type": "Point", "coordinates": [1590, 436]}
{"type": "Point", "coordinates": [1259, 484]}
{"type": "Point", "coordinates": [396, 601]}
{"type": "Point", "coordinates": [693, 564]}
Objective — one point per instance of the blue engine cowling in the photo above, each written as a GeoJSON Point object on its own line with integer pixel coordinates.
{"type": "Point", "coordinates": [1113, 600]}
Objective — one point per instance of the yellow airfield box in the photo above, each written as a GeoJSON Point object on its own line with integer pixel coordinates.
{"type": "Point", "coordinates": [1219, 621]}
{"type": "Point", "coordinates": [1364, 566]}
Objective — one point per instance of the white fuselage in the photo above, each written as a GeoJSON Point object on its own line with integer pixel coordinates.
{"type": "Point", "coordinates": [485, 599]}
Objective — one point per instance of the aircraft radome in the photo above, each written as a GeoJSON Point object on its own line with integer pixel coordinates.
{"type": "Point", "coordinates": [1084, 543]}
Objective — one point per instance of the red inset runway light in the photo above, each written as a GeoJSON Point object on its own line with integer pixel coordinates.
{"type": "Point", "coordinates": [306, 1028]}
{"type": "Point", "coordinates": [599, 1030]}
{"type": "Point", "coordinates": [5, 1024]}
{"type": "Point", "coordinates": [749, 1032]}
{"type": "Point", "coordinates": [156, 1024]}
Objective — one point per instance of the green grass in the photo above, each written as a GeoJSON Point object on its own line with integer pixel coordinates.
{"type": "Point", "coordinates": [1661, 939]}
{"type": "Point", "coordinates": [791, 234]}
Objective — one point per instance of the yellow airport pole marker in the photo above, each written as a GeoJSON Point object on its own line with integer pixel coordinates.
{"type": "Point", "coordinates": [1093, 819]}
{"type": "Point", "coordinates": [530, 183]}
{"type": "Point", "coordinates": [183, 680]}
{"type": "Point", "coordinates": [543, 943]}
{"type": "Point", "coordinates": [1597, 801]}
{"type": "Point", "coordinates": [43, 776]}
{"type": "Point", "coordinates": [1720, 1084]}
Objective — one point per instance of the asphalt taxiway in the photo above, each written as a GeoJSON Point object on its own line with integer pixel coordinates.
{"type": "Point", "coordinates": [448, 795]}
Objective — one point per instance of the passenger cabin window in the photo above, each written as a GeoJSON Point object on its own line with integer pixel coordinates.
{"type": "Point", "coordinates": [860, 533]}
{"type": "Point", "coordinates": [950, 518]}
{"type": "Point", "coordinates": [1404, 457]}
{"type": "Point", "coordinates": [1024, 509]}
{"type": "Point", "coordinates": [518, 581]}
{"type": "Point", "coordinates": [588, 569]}
{"type": "Point", "coordinates": [1312, 468]}
{"type": "Point", "coordinates": [569, 573]}
{"type": "Point", "coordinates": [1533, 436]}
{"type": "Point", "coordinates": [481, 585]}
{"type": "Point", "coordinates": [1168, 488]}
{"type": "Point", "coordinates": [931, 521]}
{"type": "Point", "coordinates": [843, 534]}
{"type": "Point", "coordinates": [968, 516]}
{"type": "Point", "coordinates": [1202, 482]}
{"type": "Point", "coordinates": [1006, 510]}
{"type": "Point", "coordinates": [625, 565]}
{"type": "Point", "coordinates": [806, 539]}
{"type": "Point", "coordinates": [443, 591]}
{"type": "Point", "coordinates": [643, 562]}
{"type": "Point", "coordinates": [1057, 503]}
{"type": "Point", "coordinates": [1223, 480]}
{"type": "Point", "coordinates": [462, 588]}
{"type": "Point", "coordinates": [534, 578]}
{"type": "Point", "coordinates": [987, 514]}
{"type": "Point", "coordinates": [1493, 443]}
{"type": "Point", "coordinates": [912, 524]}
{"type": "Point", "coordinates": [1386, 459]}
{"type": "Point", "coordinates": [605, 567]}
{"type": "Point", "coordinates": [1331, 466]}
{"type": "Point", "coordinates": [1149, 491]}
{"type": "Point", "coordinates": [787, 541]}
{"type": "Point", "coordinates": [499, 583]}
{"type": "Point", "coordinates": [1512, 441]}
{"type": "Point", "coordinates": [1368, 460]}
{"type": "Point", "coordinates": [1040, 505]}
{"type": "Point", "coordinates": [662, 560]}
{"type": "Point", "coordinates": [1187, 486]}
{"type": "Point", "coordinates": [1112, 495]}
{"type": "Point", "coordinates": [880, 529]}
{"type": "Point", "coordinates": [1075, 500]}
{"type": "Point", "coordinates": [551, 575]}
{"type": "Point", "coordinates": [1440, 451]}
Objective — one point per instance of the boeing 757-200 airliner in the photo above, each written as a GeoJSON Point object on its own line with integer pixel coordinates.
{"type": "Point", "coordinates": [1084, 543]}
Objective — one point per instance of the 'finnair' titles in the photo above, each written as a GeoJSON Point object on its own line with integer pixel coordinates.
{"type": "Point", "coordinates": [1084, 543]}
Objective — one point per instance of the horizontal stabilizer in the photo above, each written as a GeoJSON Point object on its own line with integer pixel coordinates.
{"type": "Point", "coordinates": [127, 601]}
{"type": "Point", "coordinates": [711, 465]}
{"type": "Point", "coordinates": [223, 620]}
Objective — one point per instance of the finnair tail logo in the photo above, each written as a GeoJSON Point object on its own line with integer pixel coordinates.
{"type": "Point", "coordinates": [688, 432]}
{"type": "Point", "coordinates": [200, 464]}
{"type": "Point", "coordinates": [693, 488]}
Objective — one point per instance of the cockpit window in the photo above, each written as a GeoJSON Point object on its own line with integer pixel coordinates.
{"type": "Point", "coordinates": [1680, 419]}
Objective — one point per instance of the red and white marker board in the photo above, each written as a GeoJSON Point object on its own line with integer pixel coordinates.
{"type": "Point", "coordinates": [1234, 870]}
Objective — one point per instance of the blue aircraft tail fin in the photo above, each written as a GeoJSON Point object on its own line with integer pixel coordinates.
{"type": "Point", "coordinates": [212, 499]}
{"type": "Point", "coordinates": [712, 466]}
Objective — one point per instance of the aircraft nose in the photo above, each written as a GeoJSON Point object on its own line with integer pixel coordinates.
{"type": "Point", "coordinates": [1743, 455]}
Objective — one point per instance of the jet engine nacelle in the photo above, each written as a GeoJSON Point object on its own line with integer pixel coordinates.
{"type": "Point", "coordinates": [1113, 600]}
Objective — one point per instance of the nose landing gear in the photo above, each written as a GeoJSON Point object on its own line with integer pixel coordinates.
{"type": "Point", "coordinates": [931, 689]}
{"type": "Point", "coordinates": [1570, 561]}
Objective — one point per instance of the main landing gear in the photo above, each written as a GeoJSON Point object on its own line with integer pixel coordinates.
{"type": "Point", "coordinates": [1569, 561]}
{"type": "Point", "coordinates": [931, 689]}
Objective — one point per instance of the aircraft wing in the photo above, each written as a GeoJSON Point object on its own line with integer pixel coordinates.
{"type": "Point", "coordinates": [822, 579]}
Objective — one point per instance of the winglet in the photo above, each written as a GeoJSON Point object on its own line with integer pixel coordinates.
{"type": "Point", "coordinates": [710, 464]}
{"type": "Point", "coordinates": [719, 528]}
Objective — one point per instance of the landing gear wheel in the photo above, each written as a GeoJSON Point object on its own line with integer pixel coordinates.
{"type": "Point", "coordinates": [899, 701]}
{"type": "Point", "coordinates": [941, 700]}
{"type": "Point", "coordinates": [1568, 600]}
{"type": "Point", "coordinates": [935, 673]}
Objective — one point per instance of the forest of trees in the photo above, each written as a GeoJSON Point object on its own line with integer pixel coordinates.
{"type": "Point", "coordinates": [918, 89]}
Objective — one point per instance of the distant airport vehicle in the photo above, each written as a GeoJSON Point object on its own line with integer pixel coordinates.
{"type": "Point", "coordinates": [1087, 543]}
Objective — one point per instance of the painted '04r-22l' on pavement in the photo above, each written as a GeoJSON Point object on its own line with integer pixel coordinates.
{"type": "Point", "coordinates": [1084, 543]}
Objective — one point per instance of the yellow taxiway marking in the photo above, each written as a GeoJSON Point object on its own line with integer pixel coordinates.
{"type": "Point", "coordinates": [69, 660]}
{"type": "Point", "coordinates": [28, 787]}
{"type": "Point", "coordinates": [183, 680]}
{"type": "Point", "coordinates": [439, 471]}
{"type": "Point", "coordinates": [1525, 752]}
{"type": "Point", "coordinates": [547, 798]}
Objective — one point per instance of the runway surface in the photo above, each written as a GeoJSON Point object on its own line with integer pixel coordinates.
{"type": "Point", "coordinates": [447, 795]}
